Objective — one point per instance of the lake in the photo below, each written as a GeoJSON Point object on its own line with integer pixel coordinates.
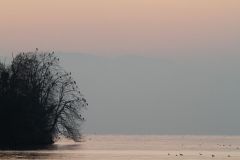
{"type": "Point", "coordinates": [137, 147]}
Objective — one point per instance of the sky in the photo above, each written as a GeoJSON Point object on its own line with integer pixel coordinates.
{"type": "Point", "coordinates": [145, 66]}
{"type": "Point", "coordinates": [116, 27]}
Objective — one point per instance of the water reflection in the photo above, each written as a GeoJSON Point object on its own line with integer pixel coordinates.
{"type": "Point", "coordinates": [56, 151]}
{"type": "Point", "coordinates": [26, 155]}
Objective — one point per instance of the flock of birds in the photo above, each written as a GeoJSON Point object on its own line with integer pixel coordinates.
{"type": "Point", "coordinates": [212, 155]}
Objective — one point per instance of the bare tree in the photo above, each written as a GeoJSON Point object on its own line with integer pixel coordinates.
{"type": "Point", "coordinates": [46, 97]}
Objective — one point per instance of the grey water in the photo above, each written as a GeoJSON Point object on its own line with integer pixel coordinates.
{"type": "Point", "coordinates": [136, 147]}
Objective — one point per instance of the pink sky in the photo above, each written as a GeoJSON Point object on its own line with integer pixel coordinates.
{"type": "Point", "coordinates": [115, 27]}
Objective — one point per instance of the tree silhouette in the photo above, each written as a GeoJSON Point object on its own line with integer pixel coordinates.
{"type": "Point", "coordinates": [39, 101]}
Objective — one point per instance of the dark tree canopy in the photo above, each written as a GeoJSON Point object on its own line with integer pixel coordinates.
{"type": "Point", "coordinates": [39, 101]}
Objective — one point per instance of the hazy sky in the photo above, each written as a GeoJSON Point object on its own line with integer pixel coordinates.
{"type": "Point", "coordinates": [145, 66]}
{"type": "Point", "coordinates": [159, 27]}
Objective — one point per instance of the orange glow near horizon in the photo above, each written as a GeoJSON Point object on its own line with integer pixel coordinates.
{"type": "Point", "coordinates": [118, 26]}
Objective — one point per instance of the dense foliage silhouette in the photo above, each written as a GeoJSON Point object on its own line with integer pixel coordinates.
{"type": "Point", "coordinates": [39, 102]}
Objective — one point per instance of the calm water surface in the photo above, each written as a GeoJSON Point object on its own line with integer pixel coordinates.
{"type": "Point", "coordinates": [121, 147]}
